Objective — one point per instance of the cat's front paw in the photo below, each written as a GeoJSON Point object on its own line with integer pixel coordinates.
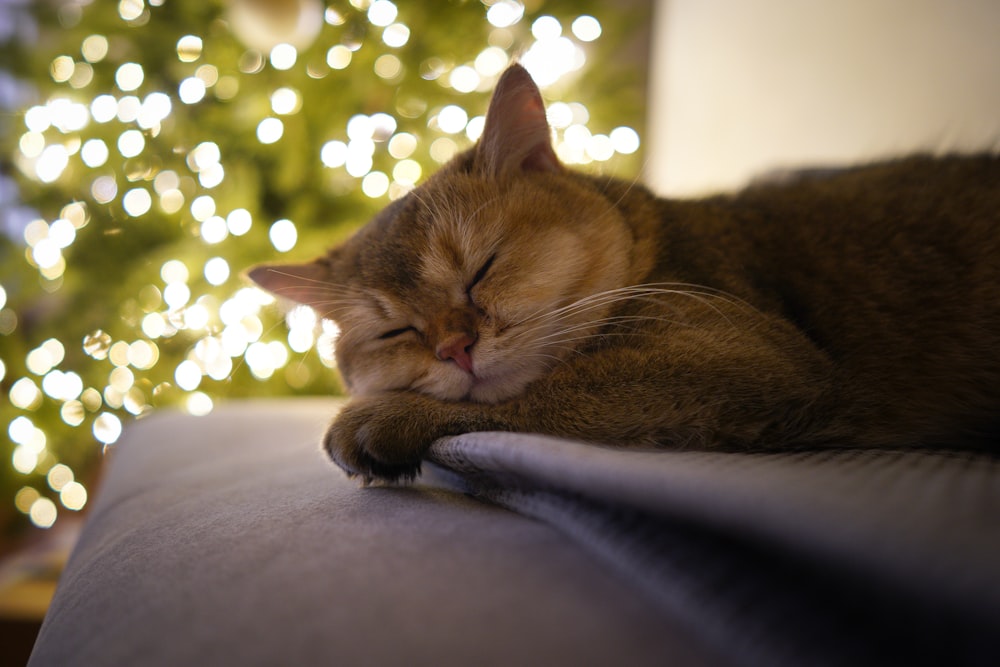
{"type": "Point", "coordinates": [380, 437]}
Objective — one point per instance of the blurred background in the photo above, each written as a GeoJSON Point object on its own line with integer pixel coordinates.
{"type": "Point", "coordinates": [151, 150]}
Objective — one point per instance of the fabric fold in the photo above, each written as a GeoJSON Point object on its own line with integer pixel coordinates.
{"type": "Point", "coordinates": [827, 557]}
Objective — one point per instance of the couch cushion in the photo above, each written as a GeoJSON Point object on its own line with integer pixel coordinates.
{"type": "Point", "coordinates": [230, 540]}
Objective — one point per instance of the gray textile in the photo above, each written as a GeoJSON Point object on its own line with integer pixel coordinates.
{"type": "Point", "coordinates": [227, 540]}
{"type": "Point", "coordinates": [846, 557]}
{"type": "Point", "coordinates": [230, 540]}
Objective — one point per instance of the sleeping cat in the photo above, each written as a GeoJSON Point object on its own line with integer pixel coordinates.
{"type": "Point", "coordinates": [511, 293]}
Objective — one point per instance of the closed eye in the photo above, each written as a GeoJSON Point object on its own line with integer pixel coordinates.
{"type": "Point", "coordinates": [481, 273]}
{"type": "Point", "coordinates": [395, 333]}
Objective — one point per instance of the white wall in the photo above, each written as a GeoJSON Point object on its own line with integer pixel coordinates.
{"type": "Point", "coordinates": [743, 86]}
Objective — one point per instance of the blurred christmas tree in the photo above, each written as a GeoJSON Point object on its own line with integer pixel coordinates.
{"type": "Point", "coordinates": [153, 149]}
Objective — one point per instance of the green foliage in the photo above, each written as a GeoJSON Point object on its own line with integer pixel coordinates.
{"type": "Point", "coordinates": [105, 296]}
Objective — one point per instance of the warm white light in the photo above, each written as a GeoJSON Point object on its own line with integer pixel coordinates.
{"type": "Point", "coordinates": [191, 90]}
{"type": "Point", "coordinates": [37, 118]}
{"type": "Point", "coordinates": [128, 108]}
{"type": "Point", "coordinates": [130, 10]}
{"type": "Point", "coordinates": [73, 496]}
{"type": "Point", "coordinates": [51, 163]}
{"type": "Point", "coordinates": [402, 145]}
{"type": "Point", "coordinates": [505, 13]}
{"type": "Point", "coordinates": [46, 254]}
{"type": "Point", "coordinates": [62, 386]}
{"type": "Point", "coordinates": [600, 147]}
{"type": "Point", "coordinates": [406, 172]}
{"type": "Point", "coordinates": [68, 116]}
{"type": "Point", "coordinates": [94, 48]}
{"type": "Point", "coordinates": [62, 68]}
{"type": "Point", "coordinates": [491, 61]}
{"type": "Point", "coordinates": [396, 35]}
{"type": "Point", "coordinates": [382, 125]}
{"type": "Point", "coordinates": [283, 56]}
{"type": "Point", "coordinates": [43, 512]}
{"type": "Point", "coordinates": [559, 115]}
{"type": "Point", "coordinates": [270, 130]}
{"type": "Point", "coordinates": [214, 230]}
{"type": "Point", "coordinates": [359, 159]}
{"type": "Point", "coordinates": [187, 375]}
{"type": "Point", "coordinates": [338, 57]}
{"type": "Point", "coordinates": [475, 128]}
{"type": "Point", "coordinates": [443, 149]}
{"type": "Point", "coordinates": [137, 201]}
{"type": "Point", "coordinates": [174, 271]}
{"type": "Point", "coordinates": [155, 108]}
{"type": "Point", "coordinates": [546, 27]}
{"type": "Point", "coordinates": [189, 48]}
{"type": "Point", "coordinates": [205, 155]}
{"type": "Point", "coordinates": [199, 404]}
{"type": "Point", "coordinates": [625, 140]}
{"type": "Point", "coordinates": [239, 221]}
{"type": "Point", "coordinates": [382, 13]}
{"type": "Point", "coordinates": [59, 476]}
{"type": "Point", "coordinates": [375, 184]}
{"type": "Point", "coordinates": [104, 108]}
{"type": "Point", "coordinates": [586, 28]}
{"type": "Point", "coordinates": [62, 232]}
{"type": "Point", "coordinates": [153, 325]}
{"type": "Point", "coordinates": [452, 119]}
{"type": "Point", "coordinates": [203, 208]}
{"type": "Point", "coordinates": [211, 176]}
{"type": "Point", "coordinates": [129, 76]}
{"type": "Point", "coordinates": [464, 79]}
{"type": "Point", "coordinates": [32, 144]}
{"type": "Point", "coordinates": [283, 235]}
{"type": "Point", "coordinates": [333, 154]}
{"type": "Point", "coordinates": [107, 428]}
{"type": "Point", "coordinates": [143, 354]}
{"type": "Point", "coordinates": [550, 59]}
{"type": "Point", "coordinates": [196, 317]}
{"type": "Point", "coordinates": [94, 153]}
{"type": "Point", "coordinates": [388, 66]}
{"type": "Point", "coordinates": [360, 127]}
{"type": "Point", "coordinates": [175, 295]}
{"type": "Point", "coordinates": [104, 189]}
{"type": "Point", "coordinates": [131, 143]}
{"type": "Point", "coordinates": [285, 101]}
{"type": "Point", "coordinates": [216, 271]}
{"type": "Point", "coordinates": [20, 429]}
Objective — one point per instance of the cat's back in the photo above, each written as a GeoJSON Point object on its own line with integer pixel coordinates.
{"type": "Point", "coordinates": [892, 269]}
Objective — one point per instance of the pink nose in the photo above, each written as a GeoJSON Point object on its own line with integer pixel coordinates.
{"type": "Point", "coordinates": [458, 348]}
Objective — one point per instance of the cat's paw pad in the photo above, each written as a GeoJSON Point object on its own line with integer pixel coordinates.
{"type": "Point", "coordinates": [377, 439]}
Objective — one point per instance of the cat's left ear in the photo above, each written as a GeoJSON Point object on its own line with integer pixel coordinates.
{"type": "Point", "coordinates": [307, 283]}
{"type": "Point", "coordinates": [516, 135]}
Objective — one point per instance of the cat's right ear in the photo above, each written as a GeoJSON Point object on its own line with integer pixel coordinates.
{"type": "Point", "coordinates": [307, 283]}
{"type": "Point", "coordinates": [516, 135]}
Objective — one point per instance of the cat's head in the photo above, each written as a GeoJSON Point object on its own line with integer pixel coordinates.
{"type": "Point", "coordinates": [480, 280]}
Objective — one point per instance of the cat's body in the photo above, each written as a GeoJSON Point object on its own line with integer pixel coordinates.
{"type": "Point", "coordinates": [509, 293]}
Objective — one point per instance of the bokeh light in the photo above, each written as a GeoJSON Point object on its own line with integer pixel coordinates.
{"type": "Point", "coordinates": [159, 156]}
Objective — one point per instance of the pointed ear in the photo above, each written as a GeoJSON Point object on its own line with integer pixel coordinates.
{"type": "Point", "coordinates": [516, 135]}
{"type": "Point", "coordinates": [308, 283]}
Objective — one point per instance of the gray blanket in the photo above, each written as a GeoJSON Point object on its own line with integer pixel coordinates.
{"type": "Point", "coordinates": [228, 540]}
{"type": "Point", "coordinates": [838, 557]}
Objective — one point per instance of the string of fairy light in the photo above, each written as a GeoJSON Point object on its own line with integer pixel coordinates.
{"type": "Point", "coordinates": [384, 154]}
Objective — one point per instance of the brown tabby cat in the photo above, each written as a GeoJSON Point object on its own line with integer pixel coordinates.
{"type": "Point", "coordinates": [510, 293]}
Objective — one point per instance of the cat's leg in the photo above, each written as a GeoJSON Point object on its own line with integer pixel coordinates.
{"type": "Point", "coordinates": [385, 436]}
